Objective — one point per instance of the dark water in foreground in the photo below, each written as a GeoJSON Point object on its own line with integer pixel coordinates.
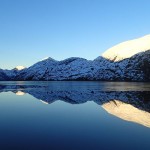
{"type": "Point", "coordinates": [74, 115]}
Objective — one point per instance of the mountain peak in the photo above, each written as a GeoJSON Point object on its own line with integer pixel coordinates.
{"type": "Point", "coordinates": [19, 68]}
{"type": "Point", "coordinates": [128, 49]}
{"type": "Point", "coordinates": [48, 58]}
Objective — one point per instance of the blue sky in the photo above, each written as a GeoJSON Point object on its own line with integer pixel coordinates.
{"type": "Point", "coordinates": [34, 29]}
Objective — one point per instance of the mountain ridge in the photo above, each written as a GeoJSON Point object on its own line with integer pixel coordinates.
{"type": "Point", "coordinates": [103, 68]}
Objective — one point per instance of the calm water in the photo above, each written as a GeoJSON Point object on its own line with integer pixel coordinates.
{"type": "Point", "coordinates": [74, 115]}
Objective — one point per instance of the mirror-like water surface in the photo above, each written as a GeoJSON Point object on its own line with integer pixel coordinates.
{"type": "Point", "coordinates": [74, 115]}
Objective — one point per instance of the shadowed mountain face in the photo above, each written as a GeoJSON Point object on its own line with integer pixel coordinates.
{"type": "Point", "coordinates": [128, 105]}
{"type": "Point", "coordinates": [3, 76]}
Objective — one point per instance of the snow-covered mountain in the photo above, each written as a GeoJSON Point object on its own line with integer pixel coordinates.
{"type": "Point", "coordinates": [128, 49]}
{"type": "Point", "coordinates": [19, 68]}
{"type": "Point", "coordinates": [11, 74]}
{"type": "Point", "coordinates": [128, 61]}
{"type": "Point", "coordinates": [135, 68]}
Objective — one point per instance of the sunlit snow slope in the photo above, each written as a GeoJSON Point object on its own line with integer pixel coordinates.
{"type": "Point", "coordinates": [128, 49]}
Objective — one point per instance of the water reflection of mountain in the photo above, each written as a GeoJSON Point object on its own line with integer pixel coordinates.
{"type": "Point", "coordinates": [127, 112]}
{"type": "Point", "coordinates": [128, 105]}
